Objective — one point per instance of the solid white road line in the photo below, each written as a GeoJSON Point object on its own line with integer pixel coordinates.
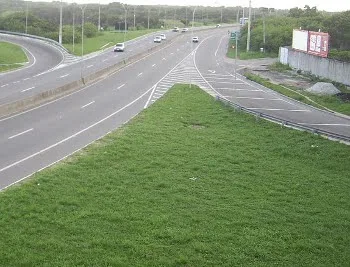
{"type": "Point", "coordinates": [256, 98]}
{"type": "Point", "coordinates": [74, 135]}
{"type": "Point", "coordinates": [4, 85]}
{"type": "Point", "coordinates": [121, 86]}
{"type": "Point", "coordinates": [281, 109]}
{"type": "Point", "coordinates": [324, 124]}
{"type": "Point", "coordinates": [64, 75]}
{"type": "Point", "coordinates": [28, 89]}
{"type": "Point", "coordinates": [240, 89]}
{"type": "Point", "coordinates": [13, 136]}
{"type": "Point", "coordinates": [88, 104]}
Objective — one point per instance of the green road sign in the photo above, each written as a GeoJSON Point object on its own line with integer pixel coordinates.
{"type": "Point", "coordinates": [234, 35]}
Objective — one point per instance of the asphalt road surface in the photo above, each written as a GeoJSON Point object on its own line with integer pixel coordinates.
{"type": "Point", "coordinates": [35, 139]}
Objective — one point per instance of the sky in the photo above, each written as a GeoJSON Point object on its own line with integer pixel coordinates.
{"type": "Point", "coordinates": [327, 5]}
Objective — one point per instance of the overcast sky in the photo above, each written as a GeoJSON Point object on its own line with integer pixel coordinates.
{"type": "Point", "coordinates": [328, 5]}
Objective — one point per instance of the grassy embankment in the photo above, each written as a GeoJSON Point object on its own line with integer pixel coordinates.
{"type": "Point", "coordinates": [243, 55]}
{"type": "Point", "coordinates": [188, 182]}
{"type": "Point", "coordinates": [105, 40]}
{"type": "Point", "coordinates": [11, 56]}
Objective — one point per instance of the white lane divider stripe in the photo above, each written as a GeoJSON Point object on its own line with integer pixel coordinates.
{"type": "Point", "coordinates": [139, 74]}
{"type": "Point", "coordinates": [13, 136]}
{"type": "Point", "coordinates": [89, 66]}
{"type": "Point", "coordinates": [281, 109]}
{"type": "Point", "coordinates": [88, 104]}
{"type": "Point", "coordinates": [4, 85]}
{"type": "Point", "coordinates": [153, 65]}
{"type": "Point", "coordinates": [64, 75]}
{"type": "Point", "coordinates": [28, 89]}
{"type": "Point", "coordinates": [121, 86]}
{"type": "Point", "coordinates": [26, 79]}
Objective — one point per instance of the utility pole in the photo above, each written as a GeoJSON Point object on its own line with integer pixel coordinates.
{"type": "Point", "coordinates": [148, 19]}
{"type": "Point", "coordinates": [134, 18]}
{"type": "Point", "coordinates": [192, 43]}
{"type": "Point", "coordinates": [73, 28]}
{"type": "Point", "coordinates": [60, 31]}
{"type": "Point", "coordinates": [249, 22]}
{"type": "Point", "coordinates": [27, 19]}
{"type": "Point", "coordinates": [221, 16]}
{"type": "Point", "coordinates": [99, 16]}
{"type": "Point", "coordinates": [264, 32]}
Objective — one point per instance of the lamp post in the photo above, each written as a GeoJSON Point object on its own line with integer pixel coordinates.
{"type": "Point", "coordinates": [73, 28]}
{"type": "Point", "coordinates": [60, 30]}
{"type": "Point", "coordinates": [148, 19]}
{"type": "Point", "coordinates": [99, 16]}
{"type": "Point", "coordinates": [192, 42]}
{"type": "Point", "coordinates": [249, 23]}
{"type": "Point", "coordinates": [27, 19]}
{"type": "Point", "coordinates": [134, 18]}
{"type": "Point", "coordinates": [126, 12]}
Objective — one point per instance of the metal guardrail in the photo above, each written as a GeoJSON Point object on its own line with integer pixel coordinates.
{"type": "Point", "coordinates": [284, 122]}
{"type": "Point", "coordinates": [55, 43]}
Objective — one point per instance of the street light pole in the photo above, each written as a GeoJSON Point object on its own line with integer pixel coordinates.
{"type": "Point", "coordinates": [82, 40]}
{"type": "Point", "coordinates": [60, 31]}
{"type": "Point", "coordinates": [126, 12]}
{"type": "Point", "coordinates": [148, 19]}
{"type": "Point", "coordinates": [134, 18]}
{"type": "Point", "coordinates": [99, 16]}
{"type": "Point", "coordinates": [192, 42]}
{"type": "Point", "coordinates": [27, 19]}
{"type": "Point", "coordinates": [249, 22]}
{"type": "Point", "coordinates": [73, 28]}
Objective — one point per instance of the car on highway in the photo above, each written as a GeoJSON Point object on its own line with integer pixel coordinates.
{"type": "Point", "coordinates": [184, 30]}
{"type": "Point", "coordinates": [218, 25]}
{"type": "Point", "coordinates": [157, 39]}
{"type": "Point", "coordinates": [176, 29]}
{"type": "Point", "coordinates": [119, 47]}
{"type": "Point", "coordinates": [163, 36]}
{"type": "Point", "coordinates": [195, 39]}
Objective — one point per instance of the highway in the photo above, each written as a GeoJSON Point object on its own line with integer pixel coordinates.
{"type": "Point", "coordinates": [35, 139]}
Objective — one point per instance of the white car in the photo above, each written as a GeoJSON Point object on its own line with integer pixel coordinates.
{"type": "Point", "coordinates": [195, 39]}
{"type": "Point", "coordinates": [184, 30]}
{"type": "Point", "coordinates": [176, 29]}
{"type": "Point", "coordinates": [163, 36]}
{"type": "Point", "coordinates": [157, 39]}
{"type": "Point", "coordinates": [119, 47]}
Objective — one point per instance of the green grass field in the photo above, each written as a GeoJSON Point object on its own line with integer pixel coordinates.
{"type": "Point", "coordinates": [188, 182]}
{"type": "Point", "coordinates": [105, 39]}
{"type": "Point", "coordinates": [11, 56]}
{"type": "Point", "coordinates": [330, 102]}
{"type": "Point", "coordinates": [243, 55]}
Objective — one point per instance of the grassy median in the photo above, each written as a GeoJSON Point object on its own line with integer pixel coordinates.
{"type": "Point", "coordinates": [188, 182]}
{"type": "Point", "coordinates": [11, 56]}
{"type": "Point", "coordinates": [104, 40]}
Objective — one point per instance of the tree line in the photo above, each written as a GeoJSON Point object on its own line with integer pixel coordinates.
{"type": "Point", "coordinates": [278, 30]}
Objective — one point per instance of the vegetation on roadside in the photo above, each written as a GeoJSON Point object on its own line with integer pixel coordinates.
{"type": "Point", "coordinates": [278, 66]}
{"type": "Point", "coordinates": [333, 102]}
{"type": "Point", "coordinates": [243, 55]}
{"type": "Point", "coordinates": [104, 40]}
{"type": "Point", "coordinates": [188, 182]}
{"type": "Point", "coordinates": [278, 30]}
{"type": "Point", "coordinates": [11, 56]}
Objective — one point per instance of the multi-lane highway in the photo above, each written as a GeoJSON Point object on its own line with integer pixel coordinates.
{"type": "Point", "coordinates": [37, 138]}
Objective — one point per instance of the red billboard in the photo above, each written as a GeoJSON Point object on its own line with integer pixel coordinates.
{"type": "Point", "coordinates": [318, 44]}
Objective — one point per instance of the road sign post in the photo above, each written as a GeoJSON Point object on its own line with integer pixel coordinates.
{"type": "Point", "coordinates": [235, 37]}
